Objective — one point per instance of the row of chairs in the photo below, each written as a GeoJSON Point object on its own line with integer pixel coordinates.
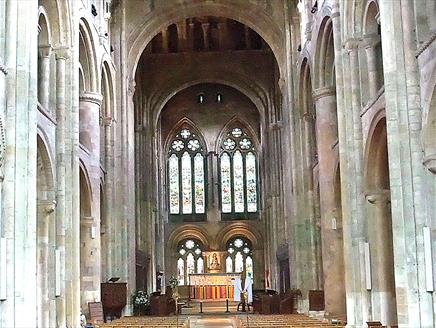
{"type": "Point", "coordinates": [281, 321]}
{"type": "Point", "coordinates": [145, 322]}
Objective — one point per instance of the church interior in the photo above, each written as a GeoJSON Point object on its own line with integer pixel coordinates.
{"type": "Point", "coordinates": [217, 163]}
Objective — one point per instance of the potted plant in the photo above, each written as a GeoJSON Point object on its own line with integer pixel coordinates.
{"type": "Point", "coordinates": [141, 302]}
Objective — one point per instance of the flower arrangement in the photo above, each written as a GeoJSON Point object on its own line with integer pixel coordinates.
{"type": "Point", "coordinates": [174, 282]}
{"type": "Point", "coordinates": [141, 302]}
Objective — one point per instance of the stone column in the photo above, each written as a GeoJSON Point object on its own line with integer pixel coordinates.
{"type": "Point", "coordinates": [359, 224]}
{"type": "Point", "coordinates": [61, 54]}
{"type": "Point", "coordinates": [164, 40]}
{"type": "Point", "coordinates": [382, 257]}
{"type": "Point", "coordinates": [247, 37]}
{"type": "Point", "coordinates": [44, 75]}
{"type": "Point", "coordinates": [108, 188]}
{"type": "Point", "coordinates": [222, 35]}
{"type": "Point", "coordinates": [332, 252]}
{"type": "Point", "coordinates": [89, 107]}
{"type": "Point", "coordinates": [370, 44]}
{"type": "Point", "coordinates": [191, 37]}
{"type": "Point", "coordinates": [181, 36]}
{"type": "Point", "coordinates": [44, 211]}
{"type": "Point", "coordinates": [205, 29]}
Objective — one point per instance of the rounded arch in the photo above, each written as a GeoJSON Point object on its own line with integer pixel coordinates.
{"type": "Point", "coordinates": [376, 174]}
{"type": "Point", "coordinates": [237, 121]}
{"type": "Point", "coordinates": [429, 130]}
{"type": "Point", "coordinates": [44, 35]}
{"type": "Point", "coordinates": [370, 25]}
{"type": "Point", "coordinates": [305, 87]}
{"type": "Point", "coordinates": [244, 85]}
{"type": "Point", "coordinates": [324, 60]}
{"type": "Point", "coordinates": [87, 57]}
{"type": "Point", "coordinates": [57, 13]}
{"type": "Point", "coordinates": [45, 181]}
{"type": "Point", "coordinates": [246, 13]}
{"type": "Point", "coordinates": [85, 191]}
{"type": "Point", "coordinates": [238, 229]}
{"type": "Point", "coordinates": [107, 88]}
{"type": "Point", "coordinates": [187, 231]}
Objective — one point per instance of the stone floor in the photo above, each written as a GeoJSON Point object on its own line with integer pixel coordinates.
{"type": "Point", "coordinates": [213, 322]}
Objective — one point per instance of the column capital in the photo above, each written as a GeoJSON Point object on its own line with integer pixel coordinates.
{"type": "Point", "coordinates": [370, 40]}
{"type": "Point", "coordinates": [430, 163]}
{"type": "Point", "coordinates": [62, 52]}
{"type": "Point", "coordinates": [107, 121]}
{"type": "Point", "coordinates": [48, 205]}
{"type": "Point", "coordinates": [92, 97]}
{"type": "Point", "coordinates": [352, 44]}
{"type": "Point", "coordinates": [276, 126]}
{"type": "Point", "coordinates": [44, 50]}
{"type": "Point", "coordinates": [378, 196]}
{"type": "Point", "coordinates": [132, 87]}
{"type": "Point", "coordinates": [3, 69]}
{"type": "Point", "coordinates": [307, 117]}
{"type": "Point", "coordinates": [323, 92]}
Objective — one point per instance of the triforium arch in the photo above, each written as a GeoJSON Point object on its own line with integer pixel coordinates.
{"type": "Point", "coordinates": [324, 72]}
{"type": "Point", "coordinates": [87, 57]}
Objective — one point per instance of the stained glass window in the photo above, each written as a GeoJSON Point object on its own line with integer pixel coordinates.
{"type": "Point", "coordinates": [238, 182]}
{"type": "Point", "coordinates": [181, 271]}
{"type": "Point", "coordinates": [239, 256]}
{"type": "Point", "coordinates": [186, 175]}
{"type": "Point", "coordinates": [249, 266]}
{"type": "Point", "coordinates": [238, 174]}
{"type": "Point", "coordinates": [226, 184]}
{"type": "Point", "coordinates": [229, 264]}
{"type": "Point", "coordinates": [190, 264]}
{"type": "Point", "coordinates": [239, 262]}
{"type": "Point", "coordinates": [186, 183]}
{"type": "Point", "coordinates": [174, 184]}
{"type": "Point", "coordinates": [200, 265]}
{"type": "Point", "coordinates": [251, 182]}
{"type": "Point", "coordinates": [190, 260]}
{"type": "Point", "coordinates": [199, 183]}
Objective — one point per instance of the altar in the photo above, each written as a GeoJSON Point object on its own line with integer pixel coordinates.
{"type": "Point", "coordinates": [212, 286]}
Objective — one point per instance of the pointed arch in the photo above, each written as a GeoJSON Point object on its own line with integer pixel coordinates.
{"type": "Point", "coordinates": [87, 57]}
{"type": "Point", "coordinates": [185, 122]}
{"type": "Point", "coordinates": [238, 171]}
{"type": "Point", "coordinates": [233, 122]}
{"type": "Point", "coordinates": [186, 173]}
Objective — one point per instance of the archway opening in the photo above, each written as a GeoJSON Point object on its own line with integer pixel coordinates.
{"type": "Point", "coordinates": [380, 226]}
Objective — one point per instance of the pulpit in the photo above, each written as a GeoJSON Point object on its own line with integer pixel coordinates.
{"type": "Point", "coordinates": [114, 298]}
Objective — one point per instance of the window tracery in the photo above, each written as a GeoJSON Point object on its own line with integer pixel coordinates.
{"type": "Point", "coordinates": [190, 260]}
{"type": "Point", "coordinates": [239, 256]}
{"type": "Point", "coordinates": [238, 174]}
{"type": "Point", "coordinates": [186, 175]}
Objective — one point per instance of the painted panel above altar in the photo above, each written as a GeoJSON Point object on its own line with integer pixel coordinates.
{"type": "Point", "coordinates": [213, 279]}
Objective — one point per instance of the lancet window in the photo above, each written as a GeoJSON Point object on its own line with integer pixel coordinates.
{"type": "Point", "coordinates": [238, 175]}
{"type": "Point", "coordinates": [190, 260]}
{"type": "Point", "coordinates": [187, 176]}
{"type": "Point", "coordinates": [239, 256]}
